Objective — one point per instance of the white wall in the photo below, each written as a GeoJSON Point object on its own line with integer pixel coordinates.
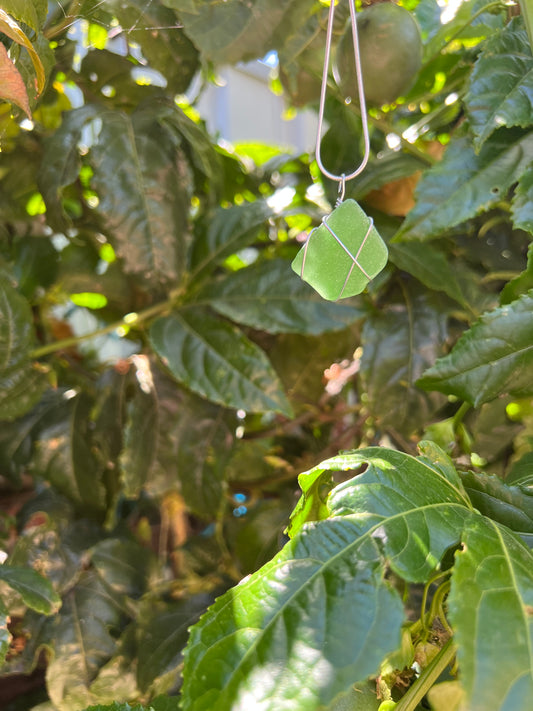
{"type": "Point", "coordinates": [244, 109]}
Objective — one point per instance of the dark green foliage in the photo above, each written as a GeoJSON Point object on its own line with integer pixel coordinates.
{"type": "Point", "coordinates": [165, 377]}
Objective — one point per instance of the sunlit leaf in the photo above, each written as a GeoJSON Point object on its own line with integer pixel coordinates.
{"type": "Point", "coordinates": [493, 581]}
{"type": "Point", "coordinates": [464, 184]}
{"type": "Point", "coordinates": [217, 361]}
{"type": "Point", "coordinates": [501, 84]}
{"type": "Point", "coordinates": [493, 358]}
{"type": "Point", "coordinates": [35, 590]}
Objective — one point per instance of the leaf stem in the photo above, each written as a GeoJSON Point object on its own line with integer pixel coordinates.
{"type": "Point", "coordinates": [128, 321]}
{"type": "Point", "coordinates": [459, 415]}
{"type": "Point", "coordinates": [429, 676]}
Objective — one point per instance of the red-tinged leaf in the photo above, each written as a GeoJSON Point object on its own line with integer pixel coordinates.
{"type": "Point", "coordinates": [12, 87]}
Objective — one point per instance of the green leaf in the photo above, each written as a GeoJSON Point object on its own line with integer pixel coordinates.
{"type": "Point", "coordinates": [162, 635]}
{"type": "Point", "coordinates": [163, 43]}
{"type": "Point", "coordinates": [490, 603]}
{"type": "Point", "coordinates": [493, 358]}
{"type": "Point", "coordinates": [312, 505]}
{"type": "Point", "coordinates": [30, 12]}
{"type": "Point", "coordinates": [231, 32]}
{"type": "Point", "coordinates": [270, 297]}
{"type": "Point", "coordinates": [399, 342]}
{"type": "Point", "coordinates": [500, 91]}
{"type": "Point", "coordinates": [228, 231]}
{"type": "Point", "coordinates": [431, 266]}
{"type": "Point", "coordinates": [195, 440]}
{"type": "Point", "coordinates": [65, 457]}
{"type": "Point", "coordinates": [216, 360]}
{"type": "Point", "coordinates": [21, 385]}
{"type": "Point", "coordinates": [124, 565]}
{"type": "Point", "coordinates": [464, 184]}
{"type": "Point", "coordinates": [522, 471]}
{"type": "Point", "coordinates": [140, 429]}
{"type": "Point", "coordinates": [321, 609]}
{"type": "Point", "coordinates": [522, 207]}
{"type": "Point", "coordinates": [520, 284]}
{"type": "Point", "coordinates": [5, 634]}
{"type": "Point", "coordinates": [61, 160]}
{"type": "Point", "coordinates": [144, 187]}
{"type": "Point", "coordinates": [511, 506]}
{"type": "Point", "coordinates": [82, 641]}
{"type": "Point", "coordinates": [36, 592]}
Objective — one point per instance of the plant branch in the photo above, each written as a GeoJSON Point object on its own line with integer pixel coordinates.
{"type": "Point", "coordinates": [131, 320]}
{"type": "Point", "coordinates": [429, 676]}
{"type": "Point", "coordinates": [526, 9]}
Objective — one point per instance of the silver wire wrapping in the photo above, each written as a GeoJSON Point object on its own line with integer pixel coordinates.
{"type": "Point", "coordinates": [360, 89]}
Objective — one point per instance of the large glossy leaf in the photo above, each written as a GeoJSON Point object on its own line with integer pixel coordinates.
{"type": "Point", "coordinates": [464, 184]}
{"type": "Point", "coordinates": [82, 641]}
{"type": "Point", "coordinates": [216, 360]}
{"type": "Point", "coordinates": [321, 609]}
{"type": "Point", "coordinates": [270, 297]}
{"type": "Point", "coordinates": [36, 592]}
{"type": "Point", "coordinates": [144, 187]}
{"type": "Point", "coordinates": [21, 385]}
{"type": "Point", "coordinates": [490, 607]}
{"type": "Point", "coordinates": [522, 207]}
{"type": "Point", "coordinates": [500, 91]}
{"type": "Point", "coordinates": [493, 358]}
{"type": "Point", "coordinates": [399, 342]}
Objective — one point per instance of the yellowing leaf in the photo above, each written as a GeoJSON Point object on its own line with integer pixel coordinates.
{"type": "Point", "coordinates": [12, 87]}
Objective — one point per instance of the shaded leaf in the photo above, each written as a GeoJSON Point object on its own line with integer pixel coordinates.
{"type": "Point", "coordinates": [464, 184]}
{"type": "Point", "coordinates": [140, 429]}
{"type": "Point", "coordinates": [228, 231]}
{"type": "Point", "coordinates": [520, 284]}
{"type": "Point", "coordinates": [12, 86]}
{"type": "Point", "coordinates": [194, 442]}
{"type": "Point", "coordinates": [522, 207]}
{"type": "Point", "coordinates": [65, 458]}
{"type": "Point", "coordinates": [61, 160]}
{"type": "Point", "coordinates": [124, 565]}
{"type": "Point", "coordinates": [82, 641]}
{"type": "Point", "coordinates": [217, 361]}
{"type": "Point", "coordinates": [164, 44]}
{"type": "Point", "coordinates": [144, 187]}
{"type": "Point", "coordinates": [21, 384]}
{"type": "Point", "coordinates": [162, 635]}
{"type": "Point", "coordinates": [399, 342]}
{"type": "Point", "coordinates": [36, 592]}
{"type": "Point", "coordinates": [430, 266]}
{"type": "Point", "coordinates": [500, 91]}
{"type": "Point", "coordinates": [5, 635]}
{"type": "Point", "coordinates": [270, 297]}
{"type": "Point", "coordinates": [493, 358]}
{"type": "Point", "coordinates": [511, 506]}
{"type": "Point", "coordinates": [521, 471]}
{"type": "Point", "coordinates": [490, 605]}
{"type": "Point", "coordinates": [321, 610]}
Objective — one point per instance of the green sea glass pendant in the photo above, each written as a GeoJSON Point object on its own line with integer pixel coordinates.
{"type": "Point", "coordinates": [342, 254]}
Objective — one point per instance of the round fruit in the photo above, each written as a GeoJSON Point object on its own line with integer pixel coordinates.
{"type": "Point", "coordinates": [391, 53]}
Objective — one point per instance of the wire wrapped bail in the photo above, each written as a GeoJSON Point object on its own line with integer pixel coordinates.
{"type": "Point", "coordinates": [362, 104]}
